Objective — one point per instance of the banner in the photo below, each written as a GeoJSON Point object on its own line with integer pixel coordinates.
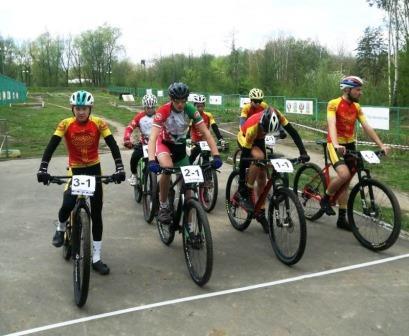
{"type": "Point", "coordinates": [299, 106]}
{"type": "Point", "coordinates": [160, 93]}
{"type": "Point", "coordinates": [378, 117]}
{"type": "Point", "coordinates": [215, 100]}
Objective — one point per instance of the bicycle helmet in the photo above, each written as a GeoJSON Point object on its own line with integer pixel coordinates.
{"type": "Point", "coordinates": [350, 82]}
{"type": "Point", "coordinates": [81, 98]}
{"type": "Point", "coordinates": [149, 100]}
{"type": "Point", "coordinates": [178, 91]}
{"type": "Point", "coordinates": [269, 121]}
{"type": "Point", "coordinates": [256, 94]}
{"type": "Point", "coordinates": [199, 99]}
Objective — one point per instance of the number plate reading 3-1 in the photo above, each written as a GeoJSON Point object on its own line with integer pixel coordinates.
{"type": "Point", "coordinates": [282, 165]}
{"type": "Point", "coordinates": [145, 151]}
{"type": "Point", "coordinates": [270, 140]}
{"type": "Point", "coordinates": [370, 156]}
{"type": "Point", "coordinates": [204, 145]}
{"type": "Point", "coordinates": [192, 174]}
{"type": "Point", "coordinates": [83, 185]}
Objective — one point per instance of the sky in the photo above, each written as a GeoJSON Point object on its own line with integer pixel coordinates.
{"type": "Point", "coordinates": [151, 29]}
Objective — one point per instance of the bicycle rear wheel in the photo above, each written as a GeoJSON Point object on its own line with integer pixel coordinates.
{"type": "Point", "coordinates": [197, 242]}
{"type": "Point", "coordinates": [81, 248]}
{"type": "Point", "coordinates": [374, 215]}
{"type": "Point", "coordinates": [150, 196]}
{"type": "Point", "coordinates": [309, 186]}
{"type": "Point", "coordinates": [208, 190]}
{"type": "Point", "coordinates": [287, 227]}
{"type": "Point", "coordinates": [239, 218]}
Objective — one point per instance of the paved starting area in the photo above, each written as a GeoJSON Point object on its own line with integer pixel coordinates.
{"type": "Point", "coordinates": [337, 288]}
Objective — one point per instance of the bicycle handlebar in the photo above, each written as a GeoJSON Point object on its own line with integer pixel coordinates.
{"type": "Point", "coordinates": [175, 170]}
{"type": "Point", "coordinates": [358, 155]}
{"type": "Point", "coordinates": [62, 179]}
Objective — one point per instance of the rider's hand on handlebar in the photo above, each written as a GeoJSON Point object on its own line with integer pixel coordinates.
{"type": "Point", "coordinates": [217, 162]}
{"type": "Point", "coordinates": [119, 175]}
{"type": "Point", "coordinates": [340, 149]}
{"type": "Point", "coordinates": [304, 158]}
{"type": "Point", "coordinates": [42, 175]}
{"type": "Point", "coordinates": [154, 167]}
{"type": "Point", "coordinates": [128, 144]}
{"type": "Point", "coordinates": [386, 149]}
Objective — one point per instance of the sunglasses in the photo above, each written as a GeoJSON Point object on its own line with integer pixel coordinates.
{"type": "Point", "coordinates": [256, 101]}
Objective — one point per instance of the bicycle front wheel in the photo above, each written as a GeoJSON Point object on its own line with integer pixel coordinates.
{"type": "Point", "coordinates": [81, 248]}
{"type": "Point", "coordinates": [67, 248]}
{"type": "Point", "coordinates": [236, 159]}
{"type": "Point", "coordinates": [197, 242]}
{"type": "Point", "coordinates": [309, 186]}
{"type": "Point", "coordinates": [208, 190]}
{"type": "Point", "coordinates": [137, 189]}
{"type": "Point", "coordinates": [150, 196]}
{"type": "Point", "coordinates": [374, 215]}
{"type": "Point", "coordinates": [287, 227]}
{"type": "Point", "coordinates": [239, 218]}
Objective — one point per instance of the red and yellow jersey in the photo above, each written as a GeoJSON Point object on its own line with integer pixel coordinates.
{"type": "Point", "coordinates": [248, 109]}
{"type": "Point", "coordinates": [250, 130]}
{"type": "Point", "coordinates": [194, 131]}
{"type": "Point", "coordinates": [346, 114]}
{"type": "Point", "coordinates": [82, 140]}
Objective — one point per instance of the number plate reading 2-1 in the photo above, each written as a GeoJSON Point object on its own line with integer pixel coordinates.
{"type": "Point", "coordinates": [204, 145]}
{"type": "Point", "coordinates": [370, 156]}
{"type": "Point", "coordinates": [282, 165]}
{"type": "Point", "coordinates": [83, 185]}
{"type": "Point", "coordinates": [270, 140]}
{"type": "Point", "coordinates": [145, 151]}
{"type": "Point", "coordinates": [192, 174]}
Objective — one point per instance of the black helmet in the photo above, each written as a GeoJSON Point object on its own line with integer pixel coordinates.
{"type": "Point", "coordinates": [178, 91]}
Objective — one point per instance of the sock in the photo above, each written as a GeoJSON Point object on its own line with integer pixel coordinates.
{"type": "Point", "coordinates": [342, 213]}
{"type": "Point", "coordinates": [61, 226]}
{"type": "Point", "coordinates": [164, 204]}
{"type": "Point", "coordinates": [96, 251]}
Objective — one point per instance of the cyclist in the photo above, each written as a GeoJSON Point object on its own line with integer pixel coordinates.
{"type": "Point", "coordinates": [142, 120]}
{"type": "Point", "coordinates": [168, 141]}
{"type": "Point", "coordinates": [82, 133]}
{"type": "Point", "coordinates": [251, 141]}
{"type": "Point", "coordinates": [256, 105]}
{"type": "Point", "coordinates": [199, 102]}
{"type": "Point", "coordinates": [342, 113]}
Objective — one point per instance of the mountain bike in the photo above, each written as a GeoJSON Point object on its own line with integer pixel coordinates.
{"type": "Point", "coordinates": [373, 210]}
{"type": "Point", "coordinates": [190, 219]}
{"type": "Point", "coordinates": [140, 173]}
{"type": "Point", "coordinates": [77, 238]}
{"type": "Point", "coordinates": [286, 221]}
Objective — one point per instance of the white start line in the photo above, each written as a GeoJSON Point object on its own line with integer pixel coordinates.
{"type": "Point", "coordinates": [208, 295]}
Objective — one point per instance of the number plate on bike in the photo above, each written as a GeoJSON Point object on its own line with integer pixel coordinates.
{"type": "Point", "coordinates": [192, 174]}
{"type": "Point", "coordinates": [282, 165]}
{"type": "Point", "coordinates": [204, 145]}
{"type": "Point", "coordinates": [270, 140]}
{"type": "Point", "coordinates": [83, 185]}
{"type": "Point", "coordinates": [370, 156]}
{"type": "Point", "coordinates": [145, 151]}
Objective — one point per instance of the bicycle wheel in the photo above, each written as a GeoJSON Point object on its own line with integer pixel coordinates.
{"type": "Point", "coordinates": [309, 186]}
{"type": "Point", "coordinates": [208, 190]}
{"type": "Point", "coordinates": [150, 196]}
{"type": "Point", "coordinates": [137, 188]}
{"type": "Point", "coordinates": [374, 214]}
{"type": "Point", "coordinates": [81, 248]}
{"type": "Point", "coordinates": [238, 216]}
{"type": "Point", "coordinates": [236, 159]}
{"type": "Point", "coordinates": [67, 248]}
{"type": "Point", "coordinates": [287, 226]}
{"type": "Point", "coordinates": [167, 230]}
{"type": "Point", "coordinates": [197, 242]}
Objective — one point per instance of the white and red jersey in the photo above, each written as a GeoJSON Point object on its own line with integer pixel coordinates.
{"type": "Point", "coordinates": [144, 123]}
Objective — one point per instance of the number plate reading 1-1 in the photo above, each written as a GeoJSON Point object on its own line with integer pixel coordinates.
{"type": "Point", "coordinates": [370, 157]}
{"type": "Point", "coordinates": [282, 165]}
{"type": "Point", "coordinates": [83, 185]}
{"type": "Point", "coordinates": [270, 140]}
{"type": "Point", "coordinates": [192, 174]}
{"type": "Point", "coordinates": [145, 151]}
{"type": "Point", "coordinates": [204, 145]}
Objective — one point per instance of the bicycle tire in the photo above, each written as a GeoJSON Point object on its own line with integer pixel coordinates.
{"type": "Point", "coordinates": [167, 230]}
{"type": "Point", "coordinates": [150, 196]}
{"type": "Point", "coordinates": [382, 219]}
{"type": "Point", "coordinates": [239, 218]}
{"type": "Point", "coordinates": [197, 243]}
{"type": "Point", "coordinates": [81, 247]}
{"type": "Point", "coordinates": [309, 186]}
{"type": "Point", "coordinates": [288, 230]}
{"type": "Point", "coordinates": [209, 203]}
{"type": "Point", "coordinates": [67, 247]}
{"type": "Point", "coordinates": [137, 188]}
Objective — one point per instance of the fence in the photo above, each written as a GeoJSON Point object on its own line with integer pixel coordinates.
{"type": "Point", "coordinates": [4, 146]}
{"type": "Point", "coordinates": [12, 91]}
{"type": "Point", "coordinates": [229, 110]}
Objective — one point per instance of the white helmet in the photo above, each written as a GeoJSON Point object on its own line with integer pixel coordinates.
{"type": "Point", "coordinates": [269, 121]}
{"type": "Point", "coordinates": [81, 98]}
{"type": "Point", "coordinates": [149, 100]}
{"type": "Point", "coordinates": [350, 82]}
{"type": "Point", "coordinates": [199, 99]}
{"type": "Point", "coordinates": [256, 93]}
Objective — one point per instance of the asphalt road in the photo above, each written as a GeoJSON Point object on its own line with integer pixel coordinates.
{"type": "Point", "coordinates": [324, 294]}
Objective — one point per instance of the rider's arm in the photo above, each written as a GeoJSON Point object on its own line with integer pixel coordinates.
{"type": "Point", "coordinates": [152, 142]}
{"type": "Point", "coordinates": [296, 138]}
{"type": "Point", "coordinates": [214, 126]}
{"type": "Point", "coordinates": [51, 147]}
{"type": "Point", "coordinates": [332, 130]}
{"type": "Point", "coordinates": [372, 134]}
{"type": "Point", "coordinates": [208, 137]}
{"type": "Point", "coordinates": [130, 128]}
{"type": "Point", "coordinates": [111, 143]}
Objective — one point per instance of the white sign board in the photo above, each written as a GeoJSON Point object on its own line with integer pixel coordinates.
{"type": "Point", "coordinates": [282, 165]}
{"type": "Point", "coordinates": [83, 185]}
{"type": "Point", "coordinates": [299, 106]}
{"type": "Point", "coordinates": [243, 101]}
{"type": "Point", "coordinates": [370, 156]}
{"type": "Point", "coordinates": [215, 100]}
{"type": "Point", "coordinates": [204, 146]}
{"type": "Point", "coordinates": [128, 98]}
{"type": "Point", "coordinates": [160, 93]}
{"type": "Point", "coordinates": [378, 117]}
{"type": "Point", "coordinates": [149, 91]}
{"type": "Point", "coordinates": [192, 174]}
{"type": "Point", "coordinates": [191, 96]}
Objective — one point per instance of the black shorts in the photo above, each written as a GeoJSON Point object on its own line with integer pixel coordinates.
{"type": "Point", "coordinates": [337, 159]}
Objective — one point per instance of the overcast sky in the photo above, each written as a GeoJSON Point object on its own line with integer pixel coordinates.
{"type": "Point", "coordinates": [153, 28]}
